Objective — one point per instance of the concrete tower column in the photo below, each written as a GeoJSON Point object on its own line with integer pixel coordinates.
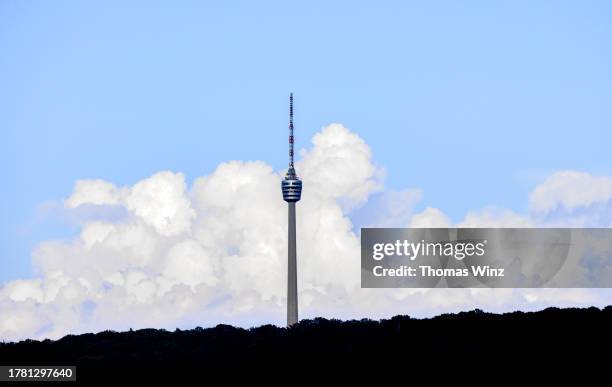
{"type": "Point", "coordinates": [292, 297]}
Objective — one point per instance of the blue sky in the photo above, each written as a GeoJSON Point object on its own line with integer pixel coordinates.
{"type": "Point", "coordinates": [472, 102]}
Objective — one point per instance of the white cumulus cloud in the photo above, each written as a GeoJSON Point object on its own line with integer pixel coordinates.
{"type": "Point", "coordinates": [161, 202]}
{"type": "Point", "coordinates": [96, 191]}
{"type": "Point", "coordinates": [430, 218]}
{"type": "Point", "coordinates": [570, 190]}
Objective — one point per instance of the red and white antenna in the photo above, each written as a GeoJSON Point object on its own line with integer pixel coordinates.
{"type": "Point", "coordinates": [291, 130]}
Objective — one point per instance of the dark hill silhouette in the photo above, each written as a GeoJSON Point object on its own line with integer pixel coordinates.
{"type": "Point", "coordinates": [533, 336]}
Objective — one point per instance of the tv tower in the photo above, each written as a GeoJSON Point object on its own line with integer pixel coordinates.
{"type": "Point", "coordinates": [292, 191]}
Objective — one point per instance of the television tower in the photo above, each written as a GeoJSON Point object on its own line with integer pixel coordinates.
{"type": "Point", "coordinates": [292, 191]}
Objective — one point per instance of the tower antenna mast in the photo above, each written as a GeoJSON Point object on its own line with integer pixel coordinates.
{"type": "Point", "coordinates": [291, 131]}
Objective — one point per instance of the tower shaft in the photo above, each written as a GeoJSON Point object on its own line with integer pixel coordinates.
{"type": "Point", "coordinates": [292, 296]}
